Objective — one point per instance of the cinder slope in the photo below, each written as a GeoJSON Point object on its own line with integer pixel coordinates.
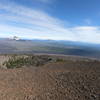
{"type": "Point", "coordinates": [55, 81]}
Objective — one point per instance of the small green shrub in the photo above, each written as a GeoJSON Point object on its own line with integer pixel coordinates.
{"type": "Point", "coordinates": [60, 60]}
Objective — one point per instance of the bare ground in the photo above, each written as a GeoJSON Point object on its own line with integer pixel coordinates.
{"type": "Point", "coordinates": [54, 81]}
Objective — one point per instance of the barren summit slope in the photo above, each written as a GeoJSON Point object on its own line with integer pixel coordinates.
{"type": "Point", "coordinates": [61, 80]}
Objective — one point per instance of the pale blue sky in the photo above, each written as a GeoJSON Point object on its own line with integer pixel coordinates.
{"type": "Point", "coordinates": [74, 20]}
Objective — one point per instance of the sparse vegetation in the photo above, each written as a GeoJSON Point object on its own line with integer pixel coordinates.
{"type": "Point", "coordinates": [60, 60]}
{"type": "Point", "coordinates": [19, 61]}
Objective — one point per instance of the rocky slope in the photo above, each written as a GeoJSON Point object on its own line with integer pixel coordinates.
{"type": "Point", "coordinates": [60, 80]}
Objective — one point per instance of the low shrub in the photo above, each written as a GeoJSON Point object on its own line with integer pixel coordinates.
{"type": "Point", "coordinates": [17, 62]}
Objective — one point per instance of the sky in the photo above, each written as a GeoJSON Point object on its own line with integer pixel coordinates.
{"type": "Point", "coordinates": [72, 20]}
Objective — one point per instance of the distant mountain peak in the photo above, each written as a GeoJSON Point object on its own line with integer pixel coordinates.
{"type": "Point", "coordinates": [15, 38]}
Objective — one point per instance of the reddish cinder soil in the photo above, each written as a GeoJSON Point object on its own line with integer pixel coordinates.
{"type": "Point", "coordinates": [55, 81]}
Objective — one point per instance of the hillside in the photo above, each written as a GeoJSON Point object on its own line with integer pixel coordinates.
{"type": "Point", "coordinates": [59, 78]}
